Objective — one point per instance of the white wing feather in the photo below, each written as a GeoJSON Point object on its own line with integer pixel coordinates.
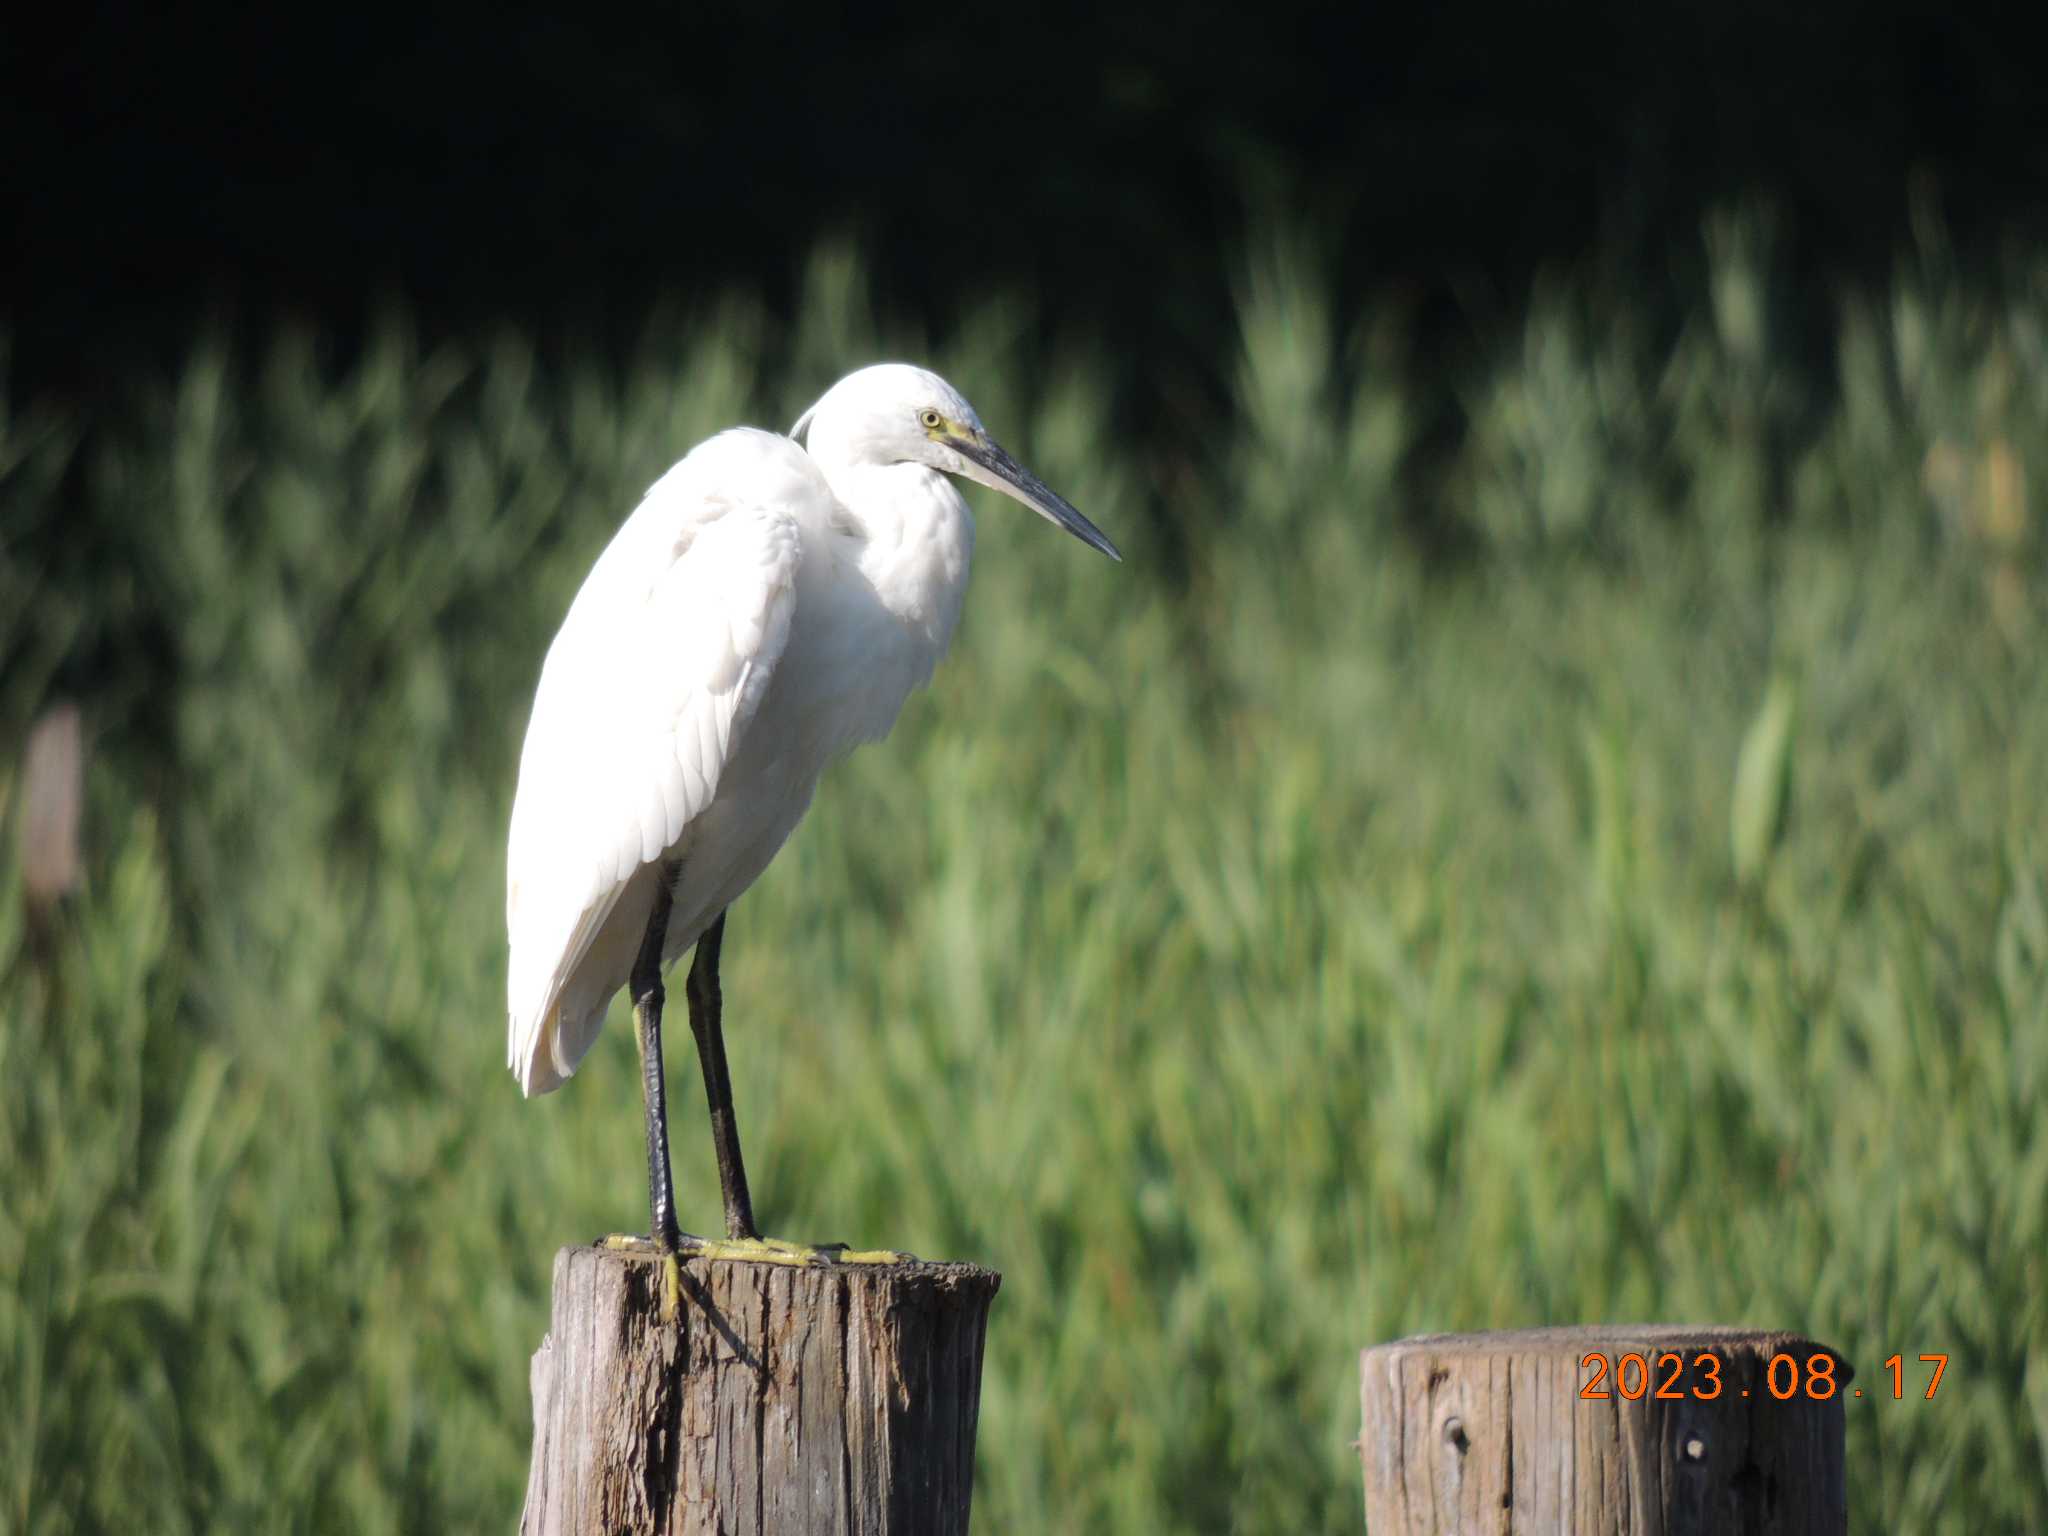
{"type": "Point", "coordinates": [646, 692]}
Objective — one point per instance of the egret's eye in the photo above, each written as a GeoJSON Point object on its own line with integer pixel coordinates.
{"type": "Point", "coordinates": [929, 419]}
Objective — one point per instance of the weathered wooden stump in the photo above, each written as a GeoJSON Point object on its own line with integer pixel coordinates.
{"type": "Point", "coordinates": [796, 1401]}
{"type": "Point", "coordinates": [1650, 1430]}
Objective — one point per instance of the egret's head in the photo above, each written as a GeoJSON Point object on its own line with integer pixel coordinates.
{"type": "Point", "coordinates": [894, 413]}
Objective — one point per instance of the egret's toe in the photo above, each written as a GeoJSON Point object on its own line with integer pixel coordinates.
{"type": "Point", "coordinates": [753, 1250]}
{"type": "Point", "coordinates": [671, 1270]}
{"type": "Point", "coordinates": [839, 1253]}
{"type": "Point", "coordinates": [775, 1250]}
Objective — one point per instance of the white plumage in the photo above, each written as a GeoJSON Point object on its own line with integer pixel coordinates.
{"type": "Point", "coordinates": [768, 606]}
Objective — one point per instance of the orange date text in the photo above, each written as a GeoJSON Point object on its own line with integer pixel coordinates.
{"type": "Point", "coordinates": [1668, 1375]}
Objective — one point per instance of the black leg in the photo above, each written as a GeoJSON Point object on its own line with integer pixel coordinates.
{"type": "Point", "coordinates": [706, 1008]}
{"type": "Point", "coordinates": [647, 1001]}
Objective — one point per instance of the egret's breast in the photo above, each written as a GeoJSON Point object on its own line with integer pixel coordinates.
{"type": "Point", "coordinates": [842, 680]}
{"type": "Point", "coordinates": [876, 604]}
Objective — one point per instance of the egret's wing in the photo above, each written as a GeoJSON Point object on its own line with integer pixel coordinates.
{"type": "Point", "coordinates": [643, 700]}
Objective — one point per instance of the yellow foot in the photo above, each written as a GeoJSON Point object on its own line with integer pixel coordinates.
{"type": "Point", "coordinates": [750, 1250]}
{"type": "Point", "coordinates": [839, 1253]}
{"type": "Point", "coordinates": [671, 1271]}
{"type": "Point", "coordinates": [747, 1250]}
{"type": "Point", "coordinates": [773, 1250]}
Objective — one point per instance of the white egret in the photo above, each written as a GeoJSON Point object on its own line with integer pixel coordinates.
{"type": "Point", "coordinates": [768, 607]}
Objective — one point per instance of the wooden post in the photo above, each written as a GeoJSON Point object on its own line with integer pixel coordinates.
{"type": "Point", "coordinates": [1692, 1431]}
{"type": "Point", "coordinates": [796, 1401]}
{"type": "Point", "coordinates": [52, 801]}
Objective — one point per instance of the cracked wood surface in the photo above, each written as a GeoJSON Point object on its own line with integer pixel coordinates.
{"type": "Point", "coordinates": [827, 1400]}
{"type": "Point", "coordinates": [1490, 1432]}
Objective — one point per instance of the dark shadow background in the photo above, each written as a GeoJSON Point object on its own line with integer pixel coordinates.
{"type": "Point", "coordinates": [564, 169]}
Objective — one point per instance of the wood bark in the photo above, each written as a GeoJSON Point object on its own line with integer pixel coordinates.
{"type": "Point", "coordinates": [1490, 1432]}
{"type": "Point", "coordinates": [835, 1400]}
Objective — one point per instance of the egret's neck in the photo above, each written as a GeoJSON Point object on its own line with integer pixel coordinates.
{"type": "Point", "coordinates": [917, 539]}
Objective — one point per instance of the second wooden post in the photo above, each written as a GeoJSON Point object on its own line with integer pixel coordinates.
{"type": "Point", "coordinates": [1652, 1431]}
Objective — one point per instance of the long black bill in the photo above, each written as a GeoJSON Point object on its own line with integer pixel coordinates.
{"type": "Point", "coordinates": [988, 463]}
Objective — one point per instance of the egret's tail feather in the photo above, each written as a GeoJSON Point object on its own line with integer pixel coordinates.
{"type": "Point", "coordinates": [545, 1053]}
{"type": "Point", "coordinates": [533, 1056]}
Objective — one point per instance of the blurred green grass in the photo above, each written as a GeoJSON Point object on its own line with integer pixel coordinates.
{"type": "Point", "coordinates": [1255, 953]}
